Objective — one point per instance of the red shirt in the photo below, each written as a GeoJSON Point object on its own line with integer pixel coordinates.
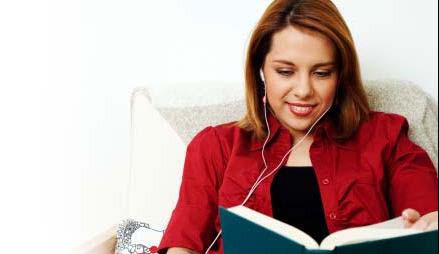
{"type": "Point", "coordinates": [370, 178]}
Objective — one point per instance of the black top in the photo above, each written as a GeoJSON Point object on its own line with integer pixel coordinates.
{"type": "Point", "coordinates": [296, 200]}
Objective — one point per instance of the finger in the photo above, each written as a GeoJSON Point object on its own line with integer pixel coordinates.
{"type": "Point", "coordinates": [411, 215]}
{"type": "Point", "coordinates": [407, 223]}
{"type": "Point", "coordinates": [420, 224]}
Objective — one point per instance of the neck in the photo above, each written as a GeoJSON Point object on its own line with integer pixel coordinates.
{"type": "Point", "coordinates": [298, 136]}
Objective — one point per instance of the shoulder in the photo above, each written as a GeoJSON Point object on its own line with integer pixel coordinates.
{"type": "Point", "coordinates": [225, 135]}
{"type": "Point", "coordinates": [389, 124]}
{"type": "Point", "coordinates": [376, 117]}
{"type": "Point", "coordinates": [381, 127]}
{"type": "Point", "coordinates": [211, 148]}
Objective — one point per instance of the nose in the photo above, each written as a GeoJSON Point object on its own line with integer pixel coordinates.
{"type": "Point", "coordinates": [302, 89]}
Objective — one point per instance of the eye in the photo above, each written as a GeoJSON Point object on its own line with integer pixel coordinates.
{"type": "Point", "coordinates": [284, 73]}
{"type": "Point", "coordinates": [323, 74]}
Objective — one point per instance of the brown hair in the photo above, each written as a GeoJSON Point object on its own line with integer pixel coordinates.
{"type": "Point", "coordinates": [350, 106]}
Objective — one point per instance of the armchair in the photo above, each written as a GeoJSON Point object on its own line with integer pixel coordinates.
{"type": "Point", "coordinates": [159, 135]}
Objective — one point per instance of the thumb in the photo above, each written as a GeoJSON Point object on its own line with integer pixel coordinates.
{"type": "Point", "coordinates": [410, 216]}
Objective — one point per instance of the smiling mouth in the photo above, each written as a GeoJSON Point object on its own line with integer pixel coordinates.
{"type": "Point", "coordinates": [300, 109]}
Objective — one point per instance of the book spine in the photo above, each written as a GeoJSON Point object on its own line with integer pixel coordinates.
{"type": "Point", "coordinates": [317, 251]}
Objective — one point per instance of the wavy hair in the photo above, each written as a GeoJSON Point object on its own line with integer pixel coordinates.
{"type": "Point", "coordinates": [322, 16]}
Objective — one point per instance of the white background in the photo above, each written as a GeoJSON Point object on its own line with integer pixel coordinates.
{"type": "Point", "coordinates": [67, 69]}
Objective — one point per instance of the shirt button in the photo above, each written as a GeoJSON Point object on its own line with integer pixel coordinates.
{"type": "Point", "coordinates": [325, 181]}
{"type": "Point", "coordinates": [332, 216]}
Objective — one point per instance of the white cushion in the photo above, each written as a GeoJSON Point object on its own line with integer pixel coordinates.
{"type": "Point", "coordinates": [157, 153]}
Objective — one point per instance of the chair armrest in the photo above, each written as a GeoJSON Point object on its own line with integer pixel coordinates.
{"type": "Point", "coordinates": [103, 243]}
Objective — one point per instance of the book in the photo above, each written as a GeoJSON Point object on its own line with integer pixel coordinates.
{"type": "Point", "coordinates": [247, 231]}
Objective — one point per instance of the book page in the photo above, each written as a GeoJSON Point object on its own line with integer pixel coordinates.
{"type": "Point", "coordinates": [395, 223]}
{"type": "Point", "coordinates": [277, 226]}
{"type": "Point", "coordinates": [387, 229]}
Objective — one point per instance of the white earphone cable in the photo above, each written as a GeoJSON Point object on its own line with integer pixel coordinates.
{"type": "Point", "coordinates": [259, 179]}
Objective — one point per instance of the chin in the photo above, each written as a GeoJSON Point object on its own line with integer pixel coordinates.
{"type": "Point", "coordinates": [299, 124]}
{"type": "Point", "coordinates": [299, 127]}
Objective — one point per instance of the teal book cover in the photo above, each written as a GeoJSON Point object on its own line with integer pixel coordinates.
{"type": "Point", "coordinates": [247, 231]}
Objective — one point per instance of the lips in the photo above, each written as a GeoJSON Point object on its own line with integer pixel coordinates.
{"type": "Point", "coordinates": [300, 109]}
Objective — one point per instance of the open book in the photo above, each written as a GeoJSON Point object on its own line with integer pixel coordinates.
{"type": "Point", "coordinates": [248, 231]}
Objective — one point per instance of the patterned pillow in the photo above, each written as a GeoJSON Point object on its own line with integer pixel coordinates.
{"type": "Point", "coordinates": [134, 237]}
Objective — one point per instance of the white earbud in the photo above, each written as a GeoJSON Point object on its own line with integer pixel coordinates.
{"type": "Point", "coordinates": [261, 73]}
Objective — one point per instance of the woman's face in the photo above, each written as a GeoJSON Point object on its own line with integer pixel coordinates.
{"type": "Point", "coordinates": [301, 78]}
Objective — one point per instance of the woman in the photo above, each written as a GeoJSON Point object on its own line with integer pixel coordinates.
{"type": "Point", "coordinates": [309, 151]}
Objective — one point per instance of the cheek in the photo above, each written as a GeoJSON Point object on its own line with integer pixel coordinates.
{"type": "Point", "coordinates": [326, 91]}
{"type": "Point", "coordinates": [277, 90]}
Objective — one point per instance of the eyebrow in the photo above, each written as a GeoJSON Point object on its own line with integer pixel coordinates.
{"type": "Point", "coordinates": [315, 65]}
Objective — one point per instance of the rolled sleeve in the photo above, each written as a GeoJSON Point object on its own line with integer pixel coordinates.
{"type": "Point", "coordinates": [192, 224]}
{"type": "Point", "coordinates": [412, 176]}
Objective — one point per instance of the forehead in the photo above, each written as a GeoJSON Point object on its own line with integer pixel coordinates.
{"type": "Point", "coordinates": [301, 46]}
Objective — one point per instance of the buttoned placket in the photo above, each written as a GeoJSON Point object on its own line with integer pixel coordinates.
{"type": "Point", "coordinates": [274, 155]}
{"type": "Point", "coordinates": [324, 175]}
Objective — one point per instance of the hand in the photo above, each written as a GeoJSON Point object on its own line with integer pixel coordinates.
{"type": "Point", "coordinates": [412, 219]}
